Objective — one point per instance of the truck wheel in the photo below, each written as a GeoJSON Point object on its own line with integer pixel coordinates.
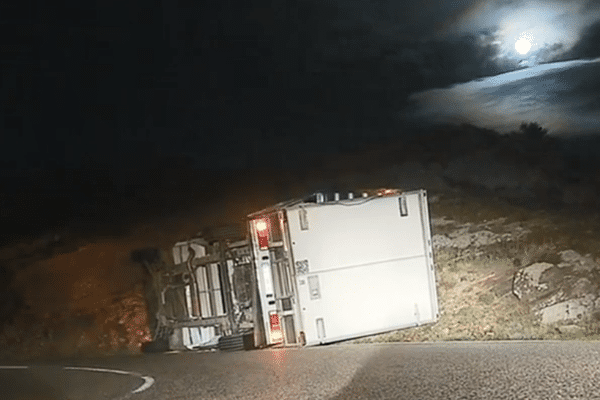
{"type": "Point", "coordinates": [159, 345]}
{"type": "Point", "coordinates": [236, 342]}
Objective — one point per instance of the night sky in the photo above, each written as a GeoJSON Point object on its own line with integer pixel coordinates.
{"type": "Point", "coordinates": [110, 97]}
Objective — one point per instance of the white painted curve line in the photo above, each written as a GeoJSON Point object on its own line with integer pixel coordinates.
{"type": "Point", "coordinates": [148, 380]}
{"type": "Point", "coordinates": [13, 367]}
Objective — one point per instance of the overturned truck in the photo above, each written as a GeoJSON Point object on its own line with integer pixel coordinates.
{"type": "Point", "coordinates": [305, 272]}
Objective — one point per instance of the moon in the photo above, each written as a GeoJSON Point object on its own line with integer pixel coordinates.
{"type": "Point", "coordinates": [523, 45]}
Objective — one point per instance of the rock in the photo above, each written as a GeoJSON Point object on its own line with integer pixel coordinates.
{"type": "Point", "coordinates": [461, 239]}
{"type": "Point", "coordinates": [526, 283]}
{"type": "Point", "coordinates": [569, 256]}
{"type": "Point", "coordinates": [484, 238]}
{"type": "Point", "coordinates": [567, 311]}
{"type": "Point", "coordinates": [495, 222]}
{"type": "Point", "coordinates": [462, 242]}
{"type": "Point", "coordinates": [582, 287]}
{"type": "Point", "coordinates": [559, 293]}
{"type": "Point", "coordinates": [460, 231]}
{"type": "Point", "coordinates": [441, 221]}
{"type": "Point", "coordinates": [564, 291]}
{"type": "Point", "coordinates": [579, 262]}
{"type": "Point", "coordinates": [440, 241]}
{"type": "Point", "coordinates": [570, 329]}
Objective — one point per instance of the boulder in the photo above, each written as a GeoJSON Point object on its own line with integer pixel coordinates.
{"type": "Point", "coordinates": [441, 241]}
{"type": "Point", "coordinates": [526, 283]}
{"type": "Point", "coordinates": [580, 263]}
{"type": "Point", "coordinates": [570, 311]}
{"type": "Point", "coordinates": [571, 330]}
{"type": "Point", "coordinates": [560, 293]}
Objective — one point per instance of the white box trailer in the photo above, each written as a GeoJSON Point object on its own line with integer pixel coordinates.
{"type": "Point", "coordinates": [333, 270]}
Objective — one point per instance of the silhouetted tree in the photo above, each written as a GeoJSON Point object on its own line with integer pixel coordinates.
{"type": "Point", "coordinates": [532, 131]}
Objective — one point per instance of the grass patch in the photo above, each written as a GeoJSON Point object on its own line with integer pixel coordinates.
{"type": "Point", "coordinates": [487, 298]}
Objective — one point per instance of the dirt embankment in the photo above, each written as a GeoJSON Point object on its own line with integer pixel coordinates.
{"type": "Point", "coordinates": [87, 301]}
{"type": "Point", "coordinates": [503, 272]}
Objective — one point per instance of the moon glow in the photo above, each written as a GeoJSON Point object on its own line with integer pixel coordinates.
{"type": "Point", "coordinates": [522, 45]}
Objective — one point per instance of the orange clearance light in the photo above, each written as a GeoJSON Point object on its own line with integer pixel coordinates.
{"type": "Point", "coordinates": [387, 192]}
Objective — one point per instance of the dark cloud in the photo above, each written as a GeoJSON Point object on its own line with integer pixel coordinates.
{"type": "Point", "coordinates": [336, 70]}
{"type": "Point", "coordinates": [588, 46]}
{"type": "Point", "coordinates": [238, 84]}
{"type": "Point", "coordinates": [119, 92]}
{"type": "Point", "coordinates": [561, 95]}
{"type": "Point", "coordinates": [592, 6]}
{"type": "Point", "coordinates": [548, 53]}
{"type": "Point", "coordinates": [583, 91]}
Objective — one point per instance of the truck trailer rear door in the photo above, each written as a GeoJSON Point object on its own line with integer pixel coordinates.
{"type": "Point", "coordinates": [275, 278]}
{"type": "Point", "coordinates": [363, 266]}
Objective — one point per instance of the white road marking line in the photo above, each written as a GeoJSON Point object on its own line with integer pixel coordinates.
{"type": "Point", "coordinates": [148, 380]}
{"type": "Point", "coordinates": [114, 371]}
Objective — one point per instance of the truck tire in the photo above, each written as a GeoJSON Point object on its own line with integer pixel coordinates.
{"type": "Point", "coordinates": [236, 342]}
{"type": "Point", "coordinates": [159, 345]}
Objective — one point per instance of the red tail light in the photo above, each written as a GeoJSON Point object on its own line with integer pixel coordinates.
{"type": "Point", "coordinates": [275, 325]}
{"type": "Point", "coordinates": [262, 231]}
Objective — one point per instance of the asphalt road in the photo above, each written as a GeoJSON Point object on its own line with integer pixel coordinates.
{"type": "Point", "coordinates": [459, 370]}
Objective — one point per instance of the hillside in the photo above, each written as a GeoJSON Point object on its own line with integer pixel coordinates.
{"type": "Point", "coordinates": [514, 220]}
